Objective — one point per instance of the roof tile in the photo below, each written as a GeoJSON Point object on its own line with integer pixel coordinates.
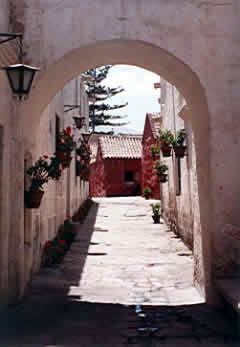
{"type": "Point", "coordinates": [122, 147]}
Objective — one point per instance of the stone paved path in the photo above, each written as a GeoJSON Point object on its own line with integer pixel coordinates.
{"type": "Point", "coordinates": [125, 281]}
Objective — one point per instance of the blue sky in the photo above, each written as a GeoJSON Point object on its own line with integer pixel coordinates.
{"type": "Point", "coordinates": [139, 93]}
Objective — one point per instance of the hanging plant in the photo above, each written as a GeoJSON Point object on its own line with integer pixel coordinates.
{"type": "Point", "coordinates": [84, 151]}
{"type": "Point", "coordinates": [82, 170]}
{"type": "Point", "coordinates": [65, 145]}
{"type": "Point", "coordinates": [161, 169]}
{"type": "Point", "coordinates": [178, 141]}
{"type": "Point", "coordinates": [166, 138]}
{"type": "Point", "coordinates": [41, 172]}
{"type": "Point", "coordinates": [155, 150]}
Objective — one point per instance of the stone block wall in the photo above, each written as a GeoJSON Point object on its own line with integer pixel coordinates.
{"type": "Point", "coordinates": [178, 192]}
{"type": "Point", "coordinates": [61, 198]}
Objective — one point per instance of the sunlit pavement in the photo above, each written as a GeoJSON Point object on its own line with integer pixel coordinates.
{"type": "Point", "coordinates": [125, 281]}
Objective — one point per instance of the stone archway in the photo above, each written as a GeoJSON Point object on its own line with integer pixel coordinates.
{"type": "Point", "coordinates": [169, 67]}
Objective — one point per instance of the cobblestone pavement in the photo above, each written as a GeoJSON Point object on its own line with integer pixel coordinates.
{"type": "Point", "coordinates": [125, 281]}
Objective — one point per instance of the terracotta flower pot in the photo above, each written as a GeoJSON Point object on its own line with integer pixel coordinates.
{"type": "Point", "coordinates": [32, 199]}
{"type": "Point", "coordinates": [166, 151]}
{"type": "Point", "coordinates": [179, 151]}
{"type": "Point", "coordinates": [156, 218]}
{"type": "Point", "coordinates": [84, 174]}
{"type": "Point", "coordinates": [64, 158]}
{"type": "Point", "coordinates": [163, 178]}
{"type": "Point", "coordinates": [154, 156]}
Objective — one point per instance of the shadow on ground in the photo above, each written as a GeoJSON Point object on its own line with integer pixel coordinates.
{"type": "Point", "coordinates": [50, 317]}
{"type": "Point", "coordinates": [55, 321]}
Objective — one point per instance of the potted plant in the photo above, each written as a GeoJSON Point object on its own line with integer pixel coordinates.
{"type": "Point", "coordinates": [161, 169]}
{"type": "Point", "coordinates": [155, 150]}
{"type": "Point", "coordinates": [65, 145]}
{"type": "Point", "coordinates": [166, 138]}
{"type": "Point", "coordinates": [84, 151]}
{"type": "Point", "coordinates": [41, 172]}
{"type": "Point", "coordinates": [155, 211]}
{"type": "Point", "coordinates": [82, 170]}
{"type": "Point", "coordinates": [147, 191]}
{"type": "Point", "coordinates": [178, 141]}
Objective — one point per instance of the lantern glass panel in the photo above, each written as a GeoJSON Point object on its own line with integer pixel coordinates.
{"type": "Point", "coordinates": [28, 78]}
{"type": "Point", "coordinates": [13, 76]}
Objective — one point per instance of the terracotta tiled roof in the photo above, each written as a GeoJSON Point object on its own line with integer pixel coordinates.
{"type": "Point", "coordinates": [155, 120]}
{"type": "Point", "coordinates": [122, 147]}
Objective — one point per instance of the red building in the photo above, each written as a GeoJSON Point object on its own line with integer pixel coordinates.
{"type": "Point", "coordinates": [116, 170]}
{"type": "Point", "coordinates": [149, 177]}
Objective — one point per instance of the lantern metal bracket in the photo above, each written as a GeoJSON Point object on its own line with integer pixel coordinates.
{"type": "Point", "coordinates": [6, 37]}
{"type": "Point", "coordinates": [69, 108]}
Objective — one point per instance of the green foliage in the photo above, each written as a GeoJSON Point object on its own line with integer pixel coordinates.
{"type": "Point", "coordinates": [160, 166]}
{"type": "Point", "coordinates": [46, 169]}
{"type": "Point", "coordinates": [179, 138]}
{"type": "Point", "coordinates": [99, 110]}
{"type": "Point", "coordinates": [65, 141]}
{"type": "Point", "coordinates": [54, 250]}
{"type": "Point", "coordinates": [166, 137]}
{"type": "Point", "coordinates": [155, 209]}
{"type": "Point", "coordinates": [155, 149]}
{"type": "Point", "coordinates": [39, 174]}
{"type": "Point", "coordinates": [147, 191]}
{"type": "Point", "coordinates": [84, 151]}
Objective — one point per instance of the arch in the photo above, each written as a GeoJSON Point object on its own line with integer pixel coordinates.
{"type": "Point", "coordinates": [169, 67]}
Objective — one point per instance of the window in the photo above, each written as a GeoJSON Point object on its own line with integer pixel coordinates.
{"type": "Point", "coordinates": [129, 176]}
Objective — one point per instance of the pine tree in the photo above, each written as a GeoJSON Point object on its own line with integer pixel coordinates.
{"type": "Point", "coordinates": [99, 114]}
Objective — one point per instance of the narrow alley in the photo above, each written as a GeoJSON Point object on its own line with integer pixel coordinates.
{"type": "Point", "coordinates": [125, 281]}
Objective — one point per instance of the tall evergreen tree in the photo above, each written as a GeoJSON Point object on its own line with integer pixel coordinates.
{"type": "Point", "coordinates": [99, 111]}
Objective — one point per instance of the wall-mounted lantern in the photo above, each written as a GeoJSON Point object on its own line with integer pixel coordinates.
{"type": "Point", "coordinates": [86, 137]}
{"type": "Point", "coordinates": [79, 122]}
{"type": "Point", "coordinates": [20, 76]}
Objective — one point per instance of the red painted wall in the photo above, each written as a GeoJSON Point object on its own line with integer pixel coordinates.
{"type": "Point", "coordinates": [97, 177]}
{"type": "Point", "coordinates": [149, 177]}
{"type": "Point", "coordinates": [107, 177]}
{"type": "Point", "coordinates": [115, 183]}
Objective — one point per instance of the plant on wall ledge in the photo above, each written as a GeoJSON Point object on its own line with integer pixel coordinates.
{"type": "Point", "coordinates": [155, 150]}
{"type": "Point", "coordinates": [178, 143]}
{"type": "Point", "coordinates": [65, 145]}
{"type": "Point", "coordinates": [161, 169]}
{"type": "Point", "coordinates": [166, 138]}
{"type": "Point", "coordinates": [41, 172]}
{"type": "Point", "coordinates": [55, 249]}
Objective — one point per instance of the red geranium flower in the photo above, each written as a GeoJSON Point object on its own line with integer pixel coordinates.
{"type": "Point", "coordinates": [69, 217]}
{"type": "Point", "coordinates": [45, 156]}
{"type": "Point", "coordinates": [68, 130]}
{"type": "Point", "coordinates": [62, 242]}
{"type": "Point", "coordinates": [47, 244]}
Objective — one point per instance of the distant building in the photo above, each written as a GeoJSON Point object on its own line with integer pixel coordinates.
{"type": "Point", "coordinates": [116, 170]}
{"type": "Point", "coordinates": [149, 177]}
